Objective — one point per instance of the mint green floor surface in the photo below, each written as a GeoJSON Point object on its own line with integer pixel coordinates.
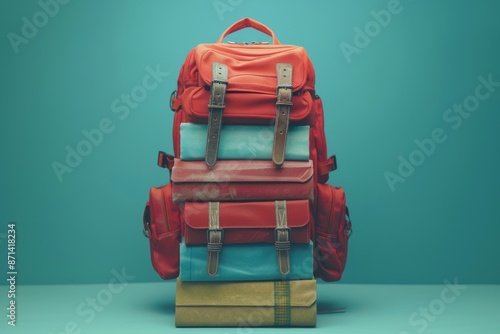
{"type": "Point", "coordinates": [149, 308]}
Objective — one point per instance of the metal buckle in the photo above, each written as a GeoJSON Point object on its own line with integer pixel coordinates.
{"type": "Point", "coordinates": [284, 87]}
{"type": "Point", "coordinates": [220, 104]}
{"type": "Point", "coordinates": [287, 229]}
{"type": "Point", "coordinates": [217, 106]}
{"type": "Point", "coordinates": [284, 102]}
{"type": "Point", "coordinates": [224, 82]}
{"type": "Point", "coordinates": [215, 230]}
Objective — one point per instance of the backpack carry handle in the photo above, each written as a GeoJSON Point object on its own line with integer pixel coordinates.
{"type": "Point", "coordinates": [249, 23]}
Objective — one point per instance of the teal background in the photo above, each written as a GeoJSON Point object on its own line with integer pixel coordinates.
{"type": "Point", "coordinates": [441, 223]}
{"type": "Point", "coordinates": [149, 308]}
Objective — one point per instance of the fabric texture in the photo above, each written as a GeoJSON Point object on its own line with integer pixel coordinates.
{"type": "Point", "coordinates": [243, 142]}
{"type": "Point", "coordinates": [245, 262]}
{"type": "Point", "coordinates": [246, 304]}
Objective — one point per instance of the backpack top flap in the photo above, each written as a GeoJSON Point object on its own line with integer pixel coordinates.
{"type": "Point", "coordinates": [252, 72]}
{"type": "Point", "coordinates": [252, 68]}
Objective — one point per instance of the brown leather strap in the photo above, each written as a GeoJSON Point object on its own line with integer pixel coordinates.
{"type": "Point", "coordinates": [216, 108]}
{"type": "Point", "coordinates": [282, 238]}
{"type": "Point", "coordinates": [284, 104]}
{"type": "Point", "coordinates": [215, 236]}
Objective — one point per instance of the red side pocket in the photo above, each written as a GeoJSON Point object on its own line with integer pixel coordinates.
{"type": "Point", "coordinates": [333, 228]}
{"type": "Point", "coordinates": [318, 132]}
{"type": "Point", "coordinates": [162, 227]}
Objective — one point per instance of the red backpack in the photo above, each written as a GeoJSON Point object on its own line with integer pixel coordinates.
{"type": "Point", "coordinates": [257, 84]}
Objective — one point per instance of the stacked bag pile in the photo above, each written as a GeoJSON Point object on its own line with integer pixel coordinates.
{"type": "Point", "coordinates": [247, 222]}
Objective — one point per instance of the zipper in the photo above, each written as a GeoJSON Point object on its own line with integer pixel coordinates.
{"type": "Point", "coordinates": [246, 43]}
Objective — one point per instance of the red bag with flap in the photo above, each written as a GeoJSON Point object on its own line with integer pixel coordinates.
{"type": "Point", "coordinates": [254, 85]}
{"type": "Point", "coordinates": [247, 222]}
{"type": "Point", "coordinates": [231, 180]}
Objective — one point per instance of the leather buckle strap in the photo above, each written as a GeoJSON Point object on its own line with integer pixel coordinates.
{"type": "Point", "coordinates": [282, 238]}
{"type": "Point", "coordinates": [216, 108]}
{"type": "Point", "coordinates": [215, 236]}
{"type": "Point", "coordinates": [284, 92]}
{"type": "Point", "coordinates": [213, 230]}
{"type": "Point", "coordinates": [282, 233]}
{"type": "Point", "coordinates": [284, 99]}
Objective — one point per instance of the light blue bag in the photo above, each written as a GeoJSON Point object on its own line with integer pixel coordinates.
{"type": "Point", "coordinates": [245, 262]}
{"type": "Point", "coordinates": [242, 142]}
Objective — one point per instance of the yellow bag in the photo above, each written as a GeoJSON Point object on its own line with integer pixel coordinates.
{"type": "Point", "coordinates": [246, 304]}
